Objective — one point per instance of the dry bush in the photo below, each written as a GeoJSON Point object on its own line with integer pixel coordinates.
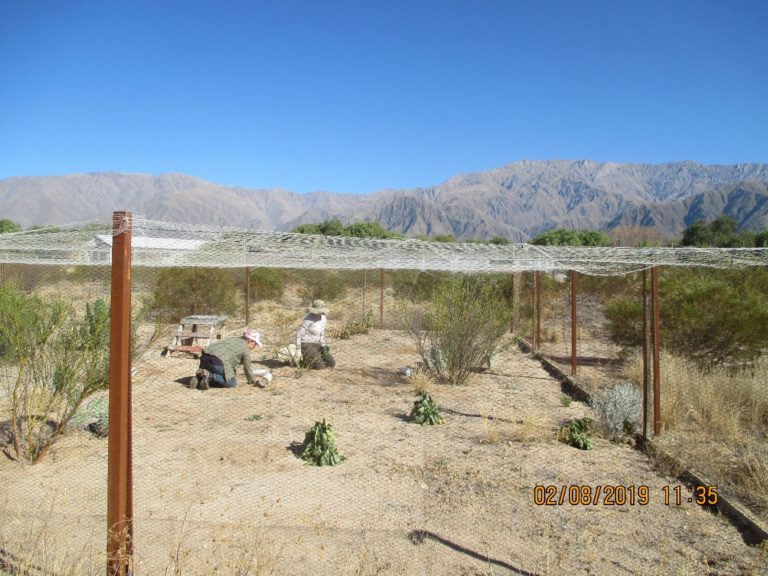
{"type": "Point", "coordinates": [716, 421]}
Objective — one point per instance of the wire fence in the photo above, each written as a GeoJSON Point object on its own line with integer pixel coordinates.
{"type": "Point", "coordinates": [218, 485]}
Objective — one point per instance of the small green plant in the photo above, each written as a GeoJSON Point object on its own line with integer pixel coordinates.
{"type": "Point", "coordinates": [577, 434]}
{"type": "Point", "coordinates": [565, 400]}
{"type": "Point", "coordinates": [319, 447]}
{"type": "Point", "coordinates": [254, 417]}
{"type": "Point", "coordinates": [426, 411]}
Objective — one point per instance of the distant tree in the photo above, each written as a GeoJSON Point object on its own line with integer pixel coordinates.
{"type": "Point", "coordinates": [761, 239]}
{"type": "Point", "coordinates": [566, 237]}
{"type": "Point", "coordinates": [500, 240]}
{"type": "Point", "coordinates": [720, 233]}
{"type": "Point", "coordinates": [444, 238]}
{"type": "Point", "coordinates": [307, 229]}
{"type": "Point", "coordinates": [370, 230]}
{"type": "Point", "coordinates": [9, 226]}
{"type": "Point", "coordinates": [357, 230]}
{"type": "Point", "coordinates": [331, 228]}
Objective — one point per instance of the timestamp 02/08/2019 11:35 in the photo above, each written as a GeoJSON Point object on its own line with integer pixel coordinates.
{"type": "Point", "coordinates": [621, 495]}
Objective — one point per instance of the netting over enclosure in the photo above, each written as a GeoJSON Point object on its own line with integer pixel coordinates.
{"type": "Point", "coordinates": [163, 244]}
{"type": "Point", "coordinates": [217, 482]}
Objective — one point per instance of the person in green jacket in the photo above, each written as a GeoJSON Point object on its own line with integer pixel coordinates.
{"type": "Point", "coordinates": [219, 360]}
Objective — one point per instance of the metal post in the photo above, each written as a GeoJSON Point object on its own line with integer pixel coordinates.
{"type": "Point", "coordinates": [194, 292]}
{"type": "Point", "coordinates": [645, 354]}
{"type": "Point", "coordinates": [247, 296]}
{"type": "Point", "coordinates": [119, 459]}
{"type": "Point", "coordinates": [574, 286]}
{"type": "Point", "coordinates": [381, 297]}
{"type": "Point", "coordinates": [656, 346]}
{"type": "Point", "coordinates": [537, 309]}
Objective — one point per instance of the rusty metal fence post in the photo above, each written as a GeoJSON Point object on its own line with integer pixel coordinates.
{"type": "Point", "coordinates": [656, 347]}
{"type": "Point", "coordinates": [247, 296]}
{"type": "Point", "coordinates": [574, 288]}
{"type": "Point", "coordinates": [536, 310]}
{"type": "Point", "coordinates": [119, 460]}
{"type": "Point", "coordinates": [381, 297]}
{"type": "Point", "coordinates": [645, 353]}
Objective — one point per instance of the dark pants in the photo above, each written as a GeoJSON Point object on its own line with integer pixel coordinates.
{"type": "Point", "coordinates": [316, 356]}
{"type": "Point", "coordinates": [215, 368]}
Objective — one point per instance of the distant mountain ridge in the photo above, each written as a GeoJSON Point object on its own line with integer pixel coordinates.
{"type": "Point", "coordinates": [516, 201]}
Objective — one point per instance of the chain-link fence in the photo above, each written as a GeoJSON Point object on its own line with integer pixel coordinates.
{"type": "Point", "coordinates": [218, 483]}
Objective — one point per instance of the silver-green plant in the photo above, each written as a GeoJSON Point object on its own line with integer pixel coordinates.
{"type": "Point", "coordinates": [618, 410]}
{"type": "Point", "coordinates": [54, 359]}
{"type": "Point", "coordinates": [93, 415]}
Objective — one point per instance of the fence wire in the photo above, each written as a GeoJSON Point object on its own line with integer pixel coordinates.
{"type": "Point", "coordinates": [219, 487]}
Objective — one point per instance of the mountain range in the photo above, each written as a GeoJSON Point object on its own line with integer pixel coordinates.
{"type": "Point", "coordinates": [516, 201]}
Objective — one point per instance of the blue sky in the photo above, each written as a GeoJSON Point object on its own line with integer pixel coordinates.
{"type": "Point", "coordinates": [356, 96]}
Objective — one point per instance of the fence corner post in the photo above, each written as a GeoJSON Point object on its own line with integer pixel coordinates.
{"type": "Point", "coordinates": [119, 459]}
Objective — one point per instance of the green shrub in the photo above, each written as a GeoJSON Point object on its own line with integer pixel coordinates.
{"type": "Point", "coordinates": [425, 410]}
{"type": "Point", "coordinates": [567, 237]}
{"type": "Point", "coordinates": [321, 285]}
{"type": "Point", "coordinates": [417, 286]}
{"type": "Point", "coordinates": [460, 326]}
{"type": "Point", "coordinates": [319, 447]}
{"type": "Point", "coordinates": [266, 284]}
{"type": "Point", "coordinates": [355, 327]}
{"type": "Point", "coordinates": [180, 292]}
{"type": "Point", "coordinates": [576, 434]}
{"type": "Point", "coordinates": [712, 318]}
{"type": "Point", "coordinates": [55, 359]}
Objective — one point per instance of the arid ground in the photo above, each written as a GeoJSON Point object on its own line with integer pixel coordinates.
{"type": "Point", "coordinates": [218, 487]}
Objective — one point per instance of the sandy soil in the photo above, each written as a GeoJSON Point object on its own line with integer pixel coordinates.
{"type": "Point", "coordinates": [218, 486]}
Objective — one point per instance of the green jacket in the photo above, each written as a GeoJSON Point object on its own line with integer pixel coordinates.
{"type": "Point", "coordinates": [232, 352]}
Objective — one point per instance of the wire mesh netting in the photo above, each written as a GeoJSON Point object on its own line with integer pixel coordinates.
{"type": "Point", "coordinates": [218, 482]}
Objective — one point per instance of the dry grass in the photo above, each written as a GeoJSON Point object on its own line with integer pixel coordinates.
{"type": "Point", "coordinates": [716, 422]}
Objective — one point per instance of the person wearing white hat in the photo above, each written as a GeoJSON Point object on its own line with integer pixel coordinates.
{"type": "Point", "coordinates": [310, 338]}
{"type": "Point", "coordinates": [219, 361]}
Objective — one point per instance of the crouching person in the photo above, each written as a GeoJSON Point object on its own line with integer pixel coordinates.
{"type": "Point", "coordinates": [219, 360]}
{"type": "Point", "coordinates": [310, 338]}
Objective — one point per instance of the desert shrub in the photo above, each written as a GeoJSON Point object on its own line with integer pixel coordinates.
{"type": "Point", "coordinates": [720, 233]}
{"type": "Point", "coordinates": [459, 327]}
{"type": "Point", "coordinates": [568, 237]}
{"type": "Point", "coordinates": [711, 318]}
{"type": "Point", "coordinates": [576, 433]}
{"type": "Point", "coordinates": [425, 411]}
{"type": "Point", "coordinates": [266, 284]}
{"type": "Point", "coordinates": [9, 226]}
{"type": "Point", "coordinates": [55, 360]}
{"type": "Point", "coordinates": [625, 321]}
{"type": "Point", "coordinates": [319, 446]}
{"type": "Point", "coordinates": [180, 292]}
{"type": "Point", "coordinates": [715, 420]}
{"type": "Point", "coordinates": [354, 327]}
{"type": "Point", "coordinates": [321, 285]}
{"type": "Point", "coordinates": [417, 286]}
{"type": "Point", "coordinates": [618, 410]}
